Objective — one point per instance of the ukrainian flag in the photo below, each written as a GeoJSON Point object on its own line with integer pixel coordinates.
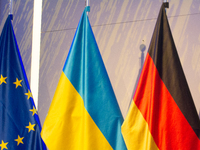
{"type": "Point", "coordinates": [84, 113]}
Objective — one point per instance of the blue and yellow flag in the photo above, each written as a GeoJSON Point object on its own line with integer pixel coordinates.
{"type": "Point", "coordinates": [19, 122]}
{"type": "Point", "coordinates": [84, 113]}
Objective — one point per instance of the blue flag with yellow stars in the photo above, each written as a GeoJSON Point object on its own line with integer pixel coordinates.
{"type": "Point", "coordinates": [19, 121]}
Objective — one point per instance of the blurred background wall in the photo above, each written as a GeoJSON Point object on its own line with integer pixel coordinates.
{"type": "Point", "coordinates": [120, 28]}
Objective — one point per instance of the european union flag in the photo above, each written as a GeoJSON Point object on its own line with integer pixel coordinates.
{"type": "Point", "coordinates": [19, 121]}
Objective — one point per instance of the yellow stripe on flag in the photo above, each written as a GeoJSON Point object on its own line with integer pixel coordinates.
{"type": "Point", "coordinates": [68, 124]}
{"type": "Point", "coordinates": [135, 131]}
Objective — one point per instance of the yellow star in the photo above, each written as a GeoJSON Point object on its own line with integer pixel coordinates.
{"type": "Point", "coordinates": [30, 127]}
{"type": "Point", "coordinates": [3, 145]}
{"type": "Point", "coordinates": [19, 140]}
{"type": "Point", "coordinates": [33, 110]}
{"type": "Point", "coordinates": [29, 94]}
{"type": "Point", "coordinates": [17, 83]}
{"type": "Point", "coordinates": [2, 79]}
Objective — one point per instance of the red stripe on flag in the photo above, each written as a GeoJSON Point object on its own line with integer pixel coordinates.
{"type": "Point", "coordinates": [167, 124]}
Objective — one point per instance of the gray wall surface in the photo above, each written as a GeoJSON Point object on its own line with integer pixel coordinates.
{"type": "Point", "coordinates": [22, 24]}
{"type": "Point", "coordinates": [120, 28]}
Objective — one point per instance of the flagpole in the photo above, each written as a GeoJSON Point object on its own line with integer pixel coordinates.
{"type": "Point", "coordinates": [11, 9]}
{"type": "Point", "coordinates": [87, 4]}
{"type": "Point", "coordinates": [166, 4]}
{"type": "Point", "coordinates": [35, 61]}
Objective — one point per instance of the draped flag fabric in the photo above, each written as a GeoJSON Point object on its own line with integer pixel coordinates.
{"type": "Point", "coordinates": [19, 122]}
{"type": "Point", "coordinates": [84, 113]}
{"type": "Point", "coordinates": [162, 114]}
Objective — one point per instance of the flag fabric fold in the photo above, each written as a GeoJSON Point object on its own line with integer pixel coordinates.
{"type": "Point", "coordinates": [162, 114]}
{"type": "Point", "coordinates": [84, 113]}
{"type": "Point", "coordinates": [19, 121]}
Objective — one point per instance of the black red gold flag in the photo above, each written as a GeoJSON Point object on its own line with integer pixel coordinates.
{"type": "Point", "coordinates": [162, 114]}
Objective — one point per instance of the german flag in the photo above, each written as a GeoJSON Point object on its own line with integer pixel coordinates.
{"type": "Point", "coordinates": [162, 114]}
